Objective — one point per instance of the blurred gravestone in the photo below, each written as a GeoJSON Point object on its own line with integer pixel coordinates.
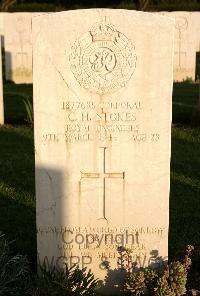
{"type": "Point", "coordinates": [197, 66]}
{"type": "Point", "coordinates": [1, 27]}
{"type": "Point", "coordinates": [2, 32]}
{"type": "Point", "coordinates": [18, 47]}
{"type": "Point", "coordinates": [186, 43]}
{"type": "Point", "coordinates": [102, 109]}
{"type": "Point", "coordinates": [1, 90]}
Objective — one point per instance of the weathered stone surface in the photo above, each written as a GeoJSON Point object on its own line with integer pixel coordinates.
{"type": "Point", "coordinates": [102, 107]}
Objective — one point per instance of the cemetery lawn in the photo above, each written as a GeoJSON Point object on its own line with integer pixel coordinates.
{"type": "Point", "coordinates": [17, 192]}
{"type": "Point", "coordinates": [14, 94]}
{"type": "Point", "coordinates": [17, 188]}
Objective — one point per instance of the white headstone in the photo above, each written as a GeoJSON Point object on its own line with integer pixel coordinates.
{"type": "Point", "coordinates": [1, 22]}
{"type": "Point", "coordinates": [102, 107]}
{"type": "Point", "coordinates": [2, 33]}
{"type": "Point", "coordinates": [1, 26]}
{"type": "Point", "coordinates": [18, 47]}
{"type": "Point", "coordinates": [196, 25]}
{"type": "Point", "coordinates": [186, 43]}
{"type": "Point", "coordinates": [1, 91]}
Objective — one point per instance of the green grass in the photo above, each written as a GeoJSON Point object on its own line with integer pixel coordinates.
{"type": "Point", "coordinates": [15, 111]}
{"type": "Point", "coordinates": [17, 189]}
{"type": "Point", "coordinates": [17, 194]}
{"type": "Point", "coordinates": [185, 101]}
{"type": "Point", "coordinates": [185, 192]}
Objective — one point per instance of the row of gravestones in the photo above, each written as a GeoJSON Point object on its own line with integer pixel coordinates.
{"type": "Point", "coordinates": [102, 120]}
{"type": "Point", "coordinates": [15, 29]}
{"type": "Point", "coordinates": [16, 39]}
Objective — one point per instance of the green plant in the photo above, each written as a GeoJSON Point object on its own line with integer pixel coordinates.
{"type": "Point", "coordinates": [168, 282]}
{"type": "Point", "coordinates": [16, 278]}
{"type": "Point", "coordinates": [188, 80]}
{"type": "Point", "coordinates": [29, 111]}
{"type": "Point", "coordinates": [68, 282]}
{"type": "Point", "coordinates": [14, 271]}
{"type": "Point", "coordinates": [135, 283]}
{"type": "Point", "coordinates": [151, 279]}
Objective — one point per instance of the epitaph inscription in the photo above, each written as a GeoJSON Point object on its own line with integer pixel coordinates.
{"type": "Point", "coordinates": [103, 59]}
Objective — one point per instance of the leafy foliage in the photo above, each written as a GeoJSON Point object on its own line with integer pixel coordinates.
{"type": "Point", "coordinates": [29, 111]}
{"type": "Point", "coordinates": [168, 282]}
{"type": "Point", "coordinates": [16, 278]}
{"type": "Point", "coordinates": [69, 282]}
{"type": "Point", "coordinates": [14, 271]}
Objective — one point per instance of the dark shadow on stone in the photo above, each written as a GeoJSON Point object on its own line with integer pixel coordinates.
{"type": "Point", "coordinates": [50, 187]}
{"type": "Point", "coordinates": [17, 191]}
{"type": "Point", "coordinates": [197, 68]}
{"type": "Point", "coordinates": [2, 41]}
{"type": "Point", "coordinates": [8, 66]}
{"type": "Point", "coordinates": [3, 58]}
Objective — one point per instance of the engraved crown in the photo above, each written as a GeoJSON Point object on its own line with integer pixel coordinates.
{"type": "Point", "coordinates": [103, 32]}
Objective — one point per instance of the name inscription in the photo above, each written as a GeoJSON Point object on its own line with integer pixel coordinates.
{"type": "Point", "coordinates": [107, 121]}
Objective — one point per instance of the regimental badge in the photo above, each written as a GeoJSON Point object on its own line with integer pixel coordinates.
{"type": "Point", "coordinates": [103, 59]}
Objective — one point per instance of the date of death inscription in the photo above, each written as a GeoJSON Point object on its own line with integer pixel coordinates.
{"type": "Point", "coordinates": [109, 121]}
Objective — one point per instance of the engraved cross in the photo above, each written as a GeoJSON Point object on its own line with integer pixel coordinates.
{"type": "Point", "coordinates": [22, 55]}
{"type": "Point", "coordinates": [182, 26]}
{"type": "Point", "coordinates": [179, 52]}
{"type": "Point", "coordinates": [102, 176]}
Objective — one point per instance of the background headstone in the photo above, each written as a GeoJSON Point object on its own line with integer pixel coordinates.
{"type": "Point", "coordinates": [186, 43]}
{"type": "Point", "coordinates": [18, 47]}
{"type": "Point", "coordinates": [1, 27]}
{"type": "Point", "coordinates": [1, 90]}
{"type": "Point", "coordinates": [196, 24]}
{"type": "Point", "coordinates": [2, 32]}
{"type": "Point", "coordinates": [102, 107]}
